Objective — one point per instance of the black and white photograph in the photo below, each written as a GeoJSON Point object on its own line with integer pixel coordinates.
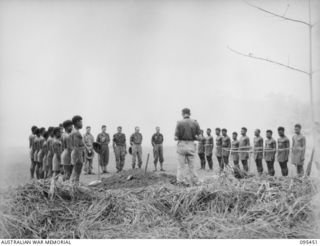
{"type": "Point", "coordinates": [159, 119]}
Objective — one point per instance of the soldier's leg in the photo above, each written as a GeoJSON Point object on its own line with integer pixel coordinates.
{"type": "Point", "coordinates": [107, 158]}
{"type": "Point", "coordinates": [259, 166]}
{"type": "Point", "coordinates": [134, 156]}
{"type": "Point", "coordinates": [236, 168]}
{"type": "Point", "coordinates": [210, 162]}
{"type": "Point", "coordinates": [226, 160]}
{"type": "Point", "coordinates": [221, 165]}
{"type": "Point", "coordinates": [161, 159]}
{"type": "Point", "coordinates": [300, 170]}
{"type": "Point", "coordinates": [155, 156]}
{"type": "Point", "coordinates": [139, 154]}
{"type": "Point", "coordinates": [122, 157]}
{"type": "Point", "coordinates": [76, 172]}
{"type": "Point", "coordinates": [193, 175]}
{"type": "Point", "coordinates": [117, 156]}
{"type": "Point", "coordinates": [270, 165]}
{"type": "Point", "coordinates": [245, 165]}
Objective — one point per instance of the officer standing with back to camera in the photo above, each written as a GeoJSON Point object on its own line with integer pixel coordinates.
{"type": "Point", "coordinates": [187, 131]}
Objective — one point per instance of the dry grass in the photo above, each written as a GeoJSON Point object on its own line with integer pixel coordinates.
{"type": "Point", "coordinates": [221, 208]}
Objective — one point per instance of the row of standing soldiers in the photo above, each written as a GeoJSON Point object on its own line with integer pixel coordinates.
{"type": "Point", "coordinates": [63, 150]}
{"type": "Point", "coordinates": [240, 150]}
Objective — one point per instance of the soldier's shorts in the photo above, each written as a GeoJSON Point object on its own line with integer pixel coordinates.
{"type": "Point", "coordinates": [67, 172]}
{"type": "Point", "coordinates": [186, 172]}
{"type": "Point", "coordinates": [158, 153]}
{"type": "Point", "coordinates": [56, 164]}
{"type": "Point", "coordinates": [66, 157]}
{"type": "Point", "coordinates": [245, 165]}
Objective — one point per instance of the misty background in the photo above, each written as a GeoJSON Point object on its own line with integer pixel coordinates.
{"type": "Point", "coordinates": [138, 63]}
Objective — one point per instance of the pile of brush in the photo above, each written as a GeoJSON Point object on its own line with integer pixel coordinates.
{"type": "Point", "coordinates": [223, 207]}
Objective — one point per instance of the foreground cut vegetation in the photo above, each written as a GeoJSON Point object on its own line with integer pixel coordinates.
{"type": "Point", "coordinates": [151, 206]}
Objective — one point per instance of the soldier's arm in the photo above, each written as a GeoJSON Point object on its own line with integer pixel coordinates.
{"type": "Point", "coordinates": [98, 138]}
{"type": "Point", "coordinates": [152, 140]}
{"type": "Point", "coordinates": [131, 139]}
{"type": "Point", "coordinates": [176, 134]}
{"type": "Point", "coordinates": [108, 138]}
{"type": "Point", "coordinates": [162, 138]}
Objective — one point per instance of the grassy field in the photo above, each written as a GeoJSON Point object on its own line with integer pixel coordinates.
{"type": "Point", "coordinates": [15, 166]}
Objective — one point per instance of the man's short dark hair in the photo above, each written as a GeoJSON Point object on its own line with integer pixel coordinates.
{"type": "Point", "coordinates": [88, 127]}
{"type": "Point", "coordinates": [67, 123]}
{"type": "Point", "coordinates": [56, 130]}
{"type": "Point", "coordinates": [76, 119]}
{"type": "Point", "coordinates": [244, 128]}
{"type": "Point", "coordinates": [46, 134]}
{"type": "Point", "coordinates": [281, 128]}
{"type": "Point", "coordinates": [258, 130]}
{"type": "Point", "coordinates": [61, 125]}
{"type": "Point", "coordinates": [218, 129]}
{"type": "Point", "coordinates": [37, 131]}
{"type": "Point", "coordinates": [297, 126]}
{"type": "Point", "coordinates": [269, 131]}
{"type": "Point", "coordinates": [224, 130]}
{"type": "Point", "coordinates": [235, 133]}
{"type": "Point", "coordinates": [50, 129]}
{"type": "Point", "coordinates": [103, 126]}
{"type": "Point", "coordinates": [209, 129]}
{"type": "Point", "coordinates": [42, 130]}
{"type": "Point", "coordinates": [33, 128]}
{"type": "Point", "coordinates": [186, 111]}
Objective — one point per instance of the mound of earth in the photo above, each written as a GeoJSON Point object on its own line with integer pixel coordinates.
{"type": "Point", "coordinates": [135, 178]}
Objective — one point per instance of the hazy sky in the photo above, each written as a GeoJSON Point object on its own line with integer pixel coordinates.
{"type": "Point", "coordinates": [140, 62]}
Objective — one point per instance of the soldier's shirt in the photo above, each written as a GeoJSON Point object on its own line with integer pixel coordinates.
{"type": "Point", "coordinates": [88, 140]}
{"type": "Point", "coordinates": [201, 144]}
{"type": "Point", "coordinates": [258, 148]}
{"type": "Point", "coordinates": [208, 145]}
{"type": "Point", "coordinates": [103, 138]}
{"type": "Point", "coordinates": [157, 138]}
{"type": "Point", "coordinates": [119, 139]}
{"type": "Point", "coordinates": [283, 143]}
{"type": "Point", "coordinates": [136, 138]}
{"type": "Point", "coordinates": [298, 149]}
{"type": "Point", "coordinates": [226, 144]}
{"type": "Point", "coordinates": [270, 149]}
{"type": "Point", "coordinates": [235, 148]}
{"type": "Point", "coordinates": [244, 144]}
{"type": "Point", "coordinates": [187, 130]}
{"type": "Point", "coordinates": [219, 145]}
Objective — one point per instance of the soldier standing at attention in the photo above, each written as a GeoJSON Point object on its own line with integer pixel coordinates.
{"type": "Point", "coordinates": [78, 150]}
{"type": "Point", "coordinates": [39, 167]}
{"type": "Point", "coordinates": [209, 148]}
{"type": "Point", "coordinates": [219, 148]}
{"type": "Point", "coordinates": [234, 151]}
{"type": "Point", "coordinates": [270, 152]}
{"type": "Point", "coordinates": [88, 140]}
{"type": "Point", "coordinates": [120, 148]}
{"type": "Point", "coordinates": [226, 144]}
{"type": "Point", "coordinates": [298, 150]}
{"type": "Point", "coordinates": [283, 151]}
{"type": "Point", "coordinates": [187, 131]}
{"type": "Point", "coordinates": [157, 144]}
{"type": "Point", "coordinates": [258, 150]}
{"type": "Point", "coordinates": [103, 139]}
{"type": "Point", "coordinates": [36, 147]}
{"type": "Point", "coordinates": [50, 153]}
{"type": "Point", "coordinates": [135, 142]}
{"type": "Point", "coordinates": [244, 147]}
{"type": "Point", "coordinates": [31, 147]}
{"type": "Point", "coordinates": [67, 148]}
{"type": "Point", "coordinates": [201, 150]}
{"type": "Point", "coordinates": [43, 154]}
{"type": "Point", "coordinates": [57, 150]}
